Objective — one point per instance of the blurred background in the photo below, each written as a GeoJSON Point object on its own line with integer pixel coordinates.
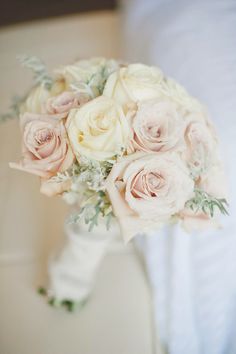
{"type": "Point", "coordinates": [13, 11]}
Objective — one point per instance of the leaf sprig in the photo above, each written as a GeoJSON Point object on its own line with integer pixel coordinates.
{"type": "Point", "coordinates": [202, 201]}
{"type": "Point", "coordinates": [93, 172]}
{"type": "Point", "coordinates": [93, 210]}
{"type": "Point", "coordinates": [41, 75]}
{"type": "Point", "coordinates": [95, 84]}
{"type": "Point", "coordinates": [67, 304]}
{"type": "Point", "coordinates": [14, 109]}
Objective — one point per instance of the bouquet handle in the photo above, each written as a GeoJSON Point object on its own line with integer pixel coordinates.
{"type": "Point", "coordinates": [73, 271]}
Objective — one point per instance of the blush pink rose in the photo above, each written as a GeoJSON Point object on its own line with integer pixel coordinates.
{"type": "Point", "coordinates": [146, 190]}
{"type": "Point", "coordinates": [201, 143]}
{"type": "Point", "coordinates": [157, 126]}
{"type": "Point", "coordinates": [46, 150]}
{"type": "Point", "coordinates": [63, 103]}
{"type": "Point", "coordinates": [214, 182]}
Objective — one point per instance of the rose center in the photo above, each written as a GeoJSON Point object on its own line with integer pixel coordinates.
{"type": "Point", "coordinates": [100, 125]}
{"type": "Point", "coordinates": [154, 183]}
{"type": "Point", "coordinates": [65, 102]}
{"type": "Point", "coordinates": [146, 185]}
{"type": "Point", "coordinates": [43, 136]}
{"type": "Point", "coordinates": [154, 131]}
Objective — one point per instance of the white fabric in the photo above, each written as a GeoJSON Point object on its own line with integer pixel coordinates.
{"type": "Point", "coordinates": [193, 276]}
{"type": "Point", "coordinates": [72, 272]}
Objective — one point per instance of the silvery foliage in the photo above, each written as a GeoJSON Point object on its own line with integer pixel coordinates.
{"type": "Point", "coordinates": [41, 77]}
{"type": "Point", "coordinates": [204, 202]}
{"type": "Point", "coordinates": [94, 86]}
{"type": "Point", "coordinates": [87, 189]}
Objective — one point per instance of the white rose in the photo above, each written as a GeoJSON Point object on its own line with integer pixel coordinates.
{"type": "Point", "coordinates": [98, 130]}
{"type": "Point", "coordinates": [90, 72]}
{"type": "Point", "coordinates": [135, 82]}
{"type": "Point", "coordinates": [172, 89]}
{"type": "Point", "coordinates": [138, 82]}
{"type": "Point", "coordinates": [38, 96]}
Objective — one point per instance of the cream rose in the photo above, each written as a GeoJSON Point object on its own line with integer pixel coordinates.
{"type": "Point", "coordinates": [37, 98]}
{"type": "Point", "coordinates": [87, 71]}
{"type": "Point", "coordinates": [157, 126]}
{"type": "Point", "coordinates": [98, 130]}
{"type": "Point", "coordinates": [136, 82]}
{"type": "Point", "coordinates": [201, 143]}
{"type": "Point", "coordinates": [45, 146]}
{"type": "Point", "coordinates": [146, 190]}
{"type": "Point", "coordinates": [173, 90]}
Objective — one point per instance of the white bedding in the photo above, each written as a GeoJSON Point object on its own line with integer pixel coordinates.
{"type": "Point", "coordinates": [193, 276]}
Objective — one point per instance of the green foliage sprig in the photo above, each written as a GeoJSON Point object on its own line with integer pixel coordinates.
{"type": "Point", "coordinates": [96, 206]}
{"type": "Point", "coordinates": [67, 304]}
{"type": "Point", "coordinates": [202, 201]}
{"type": "Point", "coordinates": [41, 75]}
{"type": "Point", "coordinates": [95, 84]}
{"type": "Point", "coordinates": [14, 109]}
{"type": "Point", "coordinates": [87, 188]}
{"type": "Point", "coordinates": [93, 172]}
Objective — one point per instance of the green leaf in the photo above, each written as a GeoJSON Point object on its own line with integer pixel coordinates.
{"type": "Point", "coordinates": [202, 201]}
{"type": "Point", "coordinates": [35, 64]}
{"type": "Point", "coordinates": [108, 220]}
{"type": "Point", "coordinates": [42, 291]}
{"type": "Point", "coordinates": [14, 109]}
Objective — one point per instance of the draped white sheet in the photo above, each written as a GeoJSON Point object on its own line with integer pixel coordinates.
{"type": "Point", "coordinates": [193, 276]}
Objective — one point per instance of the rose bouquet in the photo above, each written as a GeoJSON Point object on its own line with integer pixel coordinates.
{"type": "Point", "coordinates": [122, 141]}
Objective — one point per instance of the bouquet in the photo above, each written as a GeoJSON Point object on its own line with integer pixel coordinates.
{"type": "Point", "coordinates": [122, 140]}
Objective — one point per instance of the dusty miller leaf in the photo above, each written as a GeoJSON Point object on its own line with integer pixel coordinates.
{"type": "Point", "coordinates": [202, 201]}
{"type": "Point", "coordinates": [41, 75]}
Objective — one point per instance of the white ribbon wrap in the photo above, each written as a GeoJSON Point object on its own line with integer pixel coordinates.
{"type": "Point", "coordinates": [72, 273]}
